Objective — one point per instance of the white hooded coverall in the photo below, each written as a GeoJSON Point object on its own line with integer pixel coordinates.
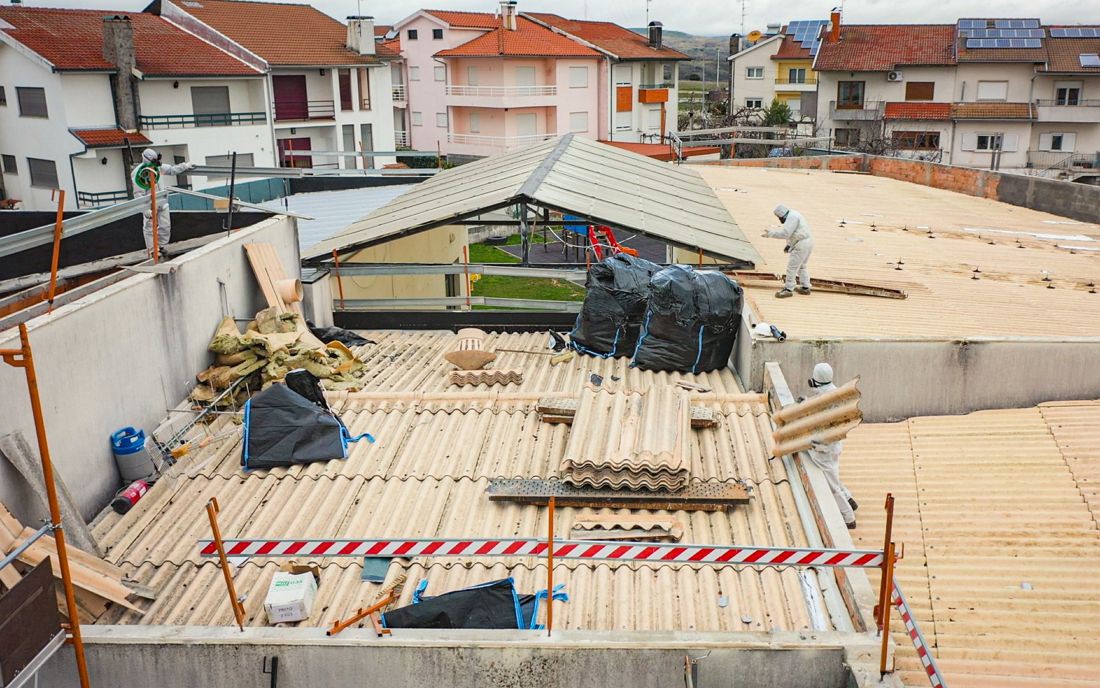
{"type": "Point", "coordinates": [164, 216]}
{"type": "Point", "coordinates": [826, 456]}
{"type": "Point", "coordinates": [796, 231]}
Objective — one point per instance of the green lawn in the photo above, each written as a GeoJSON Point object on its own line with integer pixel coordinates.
{"type": "Point", "coordinates": [500, 286]}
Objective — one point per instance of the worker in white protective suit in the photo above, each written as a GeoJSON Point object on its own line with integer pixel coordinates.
{"type": "Point", "coordinates": [800, 244]}
{"type": "Point", "coordinates": [145, 176]}
{"type": "Point", "coordinates": [826, 455]}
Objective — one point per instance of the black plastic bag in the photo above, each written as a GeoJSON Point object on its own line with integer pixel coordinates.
{"type": "Point", "coordinates": [491, 605]}
{"type": "Point", "coordinates": [283, 428]}
{"type": "Point", "coordinates": [614, 305]}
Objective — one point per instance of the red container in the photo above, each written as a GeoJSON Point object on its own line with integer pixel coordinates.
{"type": "Point", "coordinates": [130, 496]}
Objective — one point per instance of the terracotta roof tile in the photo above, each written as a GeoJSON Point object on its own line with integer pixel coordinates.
{"type": "Point", "coordinates": [615, 39]}
{"type": "Point", "coordinates": [921, 111]}
{"type": "Point", "coordinates": [382, 29]}
{"type": "Point", "coordinates": [467, 20]}
{"type": "Point", "coordinates": [109, 138]}
{"type": "Point", "coordinates": [790, 49]}
{"type": "Point", "coordinates": [529, 39]}
{"type": "Point", "coordinates": [1064, 54]}
{"type": "Point", "coordinates": [999, 54]}
{"type": "Point", "coordinates": [880, 48]}
{"type": "Point", "coordinates": [72, 39]}
{"type": "Point", "coordinates": [282, 34]}
{"type": "Point", "coordinates": [993, 111]}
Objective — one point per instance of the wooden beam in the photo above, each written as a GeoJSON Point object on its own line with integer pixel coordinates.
{"type": "Point", "coordinates": [766, 279]}
{"type": "Point", "coordinates": [562, 410]}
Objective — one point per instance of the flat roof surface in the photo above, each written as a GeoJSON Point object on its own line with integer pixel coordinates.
{"type": "Point", "coordinates": [864, 225]}
{"type": "Point", "coordinates": [426, 476]}
{"type": "Point", "coordinates": [998, 511]}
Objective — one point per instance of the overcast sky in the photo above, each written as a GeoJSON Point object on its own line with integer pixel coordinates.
{"type": "Point", "coordinates": [708, 17]}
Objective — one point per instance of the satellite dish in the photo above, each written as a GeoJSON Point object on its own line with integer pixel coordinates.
{"type": "Point", "coordinates": [754, 36]}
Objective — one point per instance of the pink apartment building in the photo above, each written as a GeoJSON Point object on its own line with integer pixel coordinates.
{"type": "Point", "coordinates": [480, 83]}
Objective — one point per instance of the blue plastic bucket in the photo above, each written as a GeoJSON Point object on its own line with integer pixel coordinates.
{"type": "Point", "coordinates": [133, 459]}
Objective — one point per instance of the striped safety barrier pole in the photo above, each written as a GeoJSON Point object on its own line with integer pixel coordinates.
{"type": "Point", "coordinates": [911, 627]}
{"type": "Point", "coordinates": [563, 549]}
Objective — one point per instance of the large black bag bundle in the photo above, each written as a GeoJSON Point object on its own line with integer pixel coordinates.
{"type": "Point", "coordinates": [691, 321]}
{"type": "Point", "coordinates": [614, 305]}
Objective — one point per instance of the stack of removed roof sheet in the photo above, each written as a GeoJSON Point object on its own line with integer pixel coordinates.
{"type": "Point", "coordinates": [629, 440]}
{"type": "Point", "coordinates": [825, 418]}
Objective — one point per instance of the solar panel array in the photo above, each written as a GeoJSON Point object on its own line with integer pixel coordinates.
{"type": "Point", "coordinates": [1004, 43]}
{"type": "Point", "coordinates": [1001, 33]}
{"type": "Point", "coordinates": [807, 33]}
{"type": "Point", "coordinates": [1080, 32]}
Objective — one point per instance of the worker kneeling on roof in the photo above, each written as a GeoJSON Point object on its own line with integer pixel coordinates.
{"type": "Point", "coordinates": [826, 455]}
{"type": "Point", "coordinates": [800, 244]}
{"type": "Point", "coordinates": [145, 176]}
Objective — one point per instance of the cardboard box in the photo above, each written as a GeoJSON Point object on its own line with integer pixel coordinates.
{"type": "Point", "coordinates": [290, 597]}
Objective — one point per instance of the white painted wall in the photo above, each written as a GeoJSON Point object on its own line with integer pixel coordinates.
{"type": "Point", "coordinates": [1017, 135]}
{"type": "Point", "coordinates": [759, 55]}
{"type": "Point", "coordinates": [124, 354]}
{"type": "Point", "coordinates": [1018, 77]}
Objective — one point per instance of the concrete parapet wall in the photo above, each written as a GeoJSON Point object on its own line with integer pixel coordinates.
{"type": "Point", "coordinates": [123, 355]}
{"type": "Point", "coordinates": [185, 657]}
{"type": "Point", "coordinates": [847, 162]}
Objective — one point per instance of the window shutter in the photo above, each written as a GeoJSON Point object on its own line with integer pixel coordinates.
{"type": "Point", "coordinates": [1009, 143]}
{"type": "Point", "coordinates": [622, 99]}
{"type": "Point", "coordinates": [1045, 141]}
{"type": "Point", "coordinates": [1069, 142]}
{"type": "Point", "coordinates": [969, 142]}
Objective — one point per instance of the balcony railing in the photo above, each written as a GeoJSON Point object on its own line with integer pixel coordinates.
{"type": "Point", "coordinates": [502, 91]}
{"type": "Point", "coordinates": [867, 110]}
{"type": "Point", "coordinates": [225, 119]}
{"type": "Point", "coordinates": [1067, 103]}
{"type": "Point", "coordinates": [85, 199]}
{"type": "Point", "coordinates": [399, 93]}
{"type": "Point", "coordinates": [401, 138]}
{"type": "Point", "coordinates": [807, 79]}
{"type": "Point", "coordinates": [506, 142]}
{"type": "Point", "coordinates": [1048, 160]}
{"type": "Point", "coordinates": [298, 110]}
{"type": "Point", "coordinates": [663, 84]}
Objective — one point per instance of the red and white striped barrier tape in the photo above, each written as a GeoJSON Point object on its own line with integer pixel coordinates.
{"type": "Point", "coordinates": [911, 627]}
{"type": "Point", "coordinates": [563, 549]}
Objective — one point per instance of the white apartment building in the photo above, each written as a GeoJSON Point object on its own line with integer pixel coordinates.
{"type": "Point", "coordinates": [70, 119]}
{"type": "Point", "coordinates": [776, 66]}
{"type": "Point", "coordinates": [1006, 93]}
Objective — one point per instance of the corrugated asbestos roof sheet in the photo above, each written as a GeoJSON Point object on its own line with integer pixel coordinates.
{"type": "Point", "coordinates": [998, 511]}
{"type": "Point", "coordinates": [571, 173]}
{"type": "Point", "coordinates": [1014, 248]}
{"type": "Point", "coordinates": [427, 475]}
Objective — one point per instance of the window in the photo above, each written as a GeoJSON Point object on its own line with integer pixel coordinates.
{"type": "Point", "coordinates": [43, 173]}
{"type": "Point", "coordinates": [3, 96]}
{"type": "Point", "coordinates": [796, 76]}
{"type": "Point", "coordinates": [7, 162]}
{"type": "Point", "coordinates": [993, 90]}
{"type": "Point", "coordinates": [754, 72]}
{"type": "Point", "coordinates": [1089, 59]}
{"type": "Point", "coordinates": [653, 119]}
{"type": "Point", "coordinates": [916, 140]}
{"type": "Point", "coordinates": [210, 105]}
{"type": "Point", "coordinates": [1067, 92]}
{"type": "Point", "coordinates": [756, 103]}
{"type": "Point", "coordinates": [414, 73]}
{"type": "Point", "coordinates": [411, 33]}
{"type": "Point", "coordinates": [578, 122]}
{"type": "Point", "coordinates": [987, 142]}
{"type": "Point", "coordinates": [417, 119]}
{"type": "Point", "coordinates": [849, 95]}
{"type": "Point", "coordinates": [437, 34]}
{"type": "Point", "coordinates": [920, 90]}
{"type": "Point", "coordinates": [578, 77]}
{"type": "Point", "coordinates": [1064, 143]}
{"type": "Point", "coordinates": [243, 160]}
{"type": "Point", "coordinates": [32, 102]}
{"type": "Point", "coordinates": [441, 120]}
{"type": "Point", "coordinates": [440, 73]}
{"type": "Point", "coordinates": [667, 74]}
{"type": "Point", "coordinates": [525, 76]}
{"type": "Point", "coordinates": [472, 76]}
{"type": "Point", "coordinates": [846, 138]}
{"type": "Point", "coordinates": [475, 122]}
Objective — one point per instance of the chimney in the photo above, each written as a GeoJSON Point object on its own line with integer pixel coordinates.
{"type": "Point", "coordinates": [735, 43]}
{"type": "Point", "coordinates": [118, 49]}
{"type": "Point", "coordinates": [508, 14]}
{"type": "Point", "coordinates": [834, 25]}
{"type": "Point", "coordinates": [361, 35]}
{"type": "Point", "coordinates": [656, 28]}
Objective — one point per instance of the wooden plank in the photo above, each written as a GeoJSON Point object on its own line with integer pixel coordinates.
{"type": "Point", "coordinates": [258, 259]}
{"type": "Point", "coordinates": [767, 279]}
{"type": "Point", "coordinates": [562, 410]}
{"type": "Point", "coordinates": [28, 621]}
{"type": "Point", "coordinates": [696, 497]}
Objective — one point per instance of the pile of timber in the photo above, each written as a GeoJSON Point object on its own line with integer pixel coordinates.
{"type": "Point", "coordinates": [272, 345]}
{"type": "Point", "coordinates": [96, 583]}
{"type": "Point", "coordinates": [825, 418]}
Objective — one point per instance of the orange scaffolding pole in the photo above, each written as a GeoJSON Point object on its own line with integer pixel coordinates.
{"type": "Point", "coordinates": [889, 565]}
{"type": "Point", "coordinates": [22, 358]}
{"type": "Point", "coordinates": [58, 224]}
{"type": "Point", "coordinates": [884, 581]}
{"type": "Point", "coordinates": [212, 510]}
{"type": "Point", "coordinates": [339, 281]}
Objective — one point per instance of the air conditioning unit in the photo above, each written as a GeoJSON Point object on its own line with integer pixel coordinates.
{"type": "Point", "coordinates": [895, 76]}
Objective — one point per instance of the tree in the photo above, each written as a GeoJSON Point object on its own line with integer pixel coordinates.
{"type": "Point", "coordinates": [777, 114]}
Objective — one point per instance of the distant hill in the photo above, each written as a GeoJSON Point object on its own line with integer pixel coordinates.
{"type": "Point", "coordinates": [702, 50]}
